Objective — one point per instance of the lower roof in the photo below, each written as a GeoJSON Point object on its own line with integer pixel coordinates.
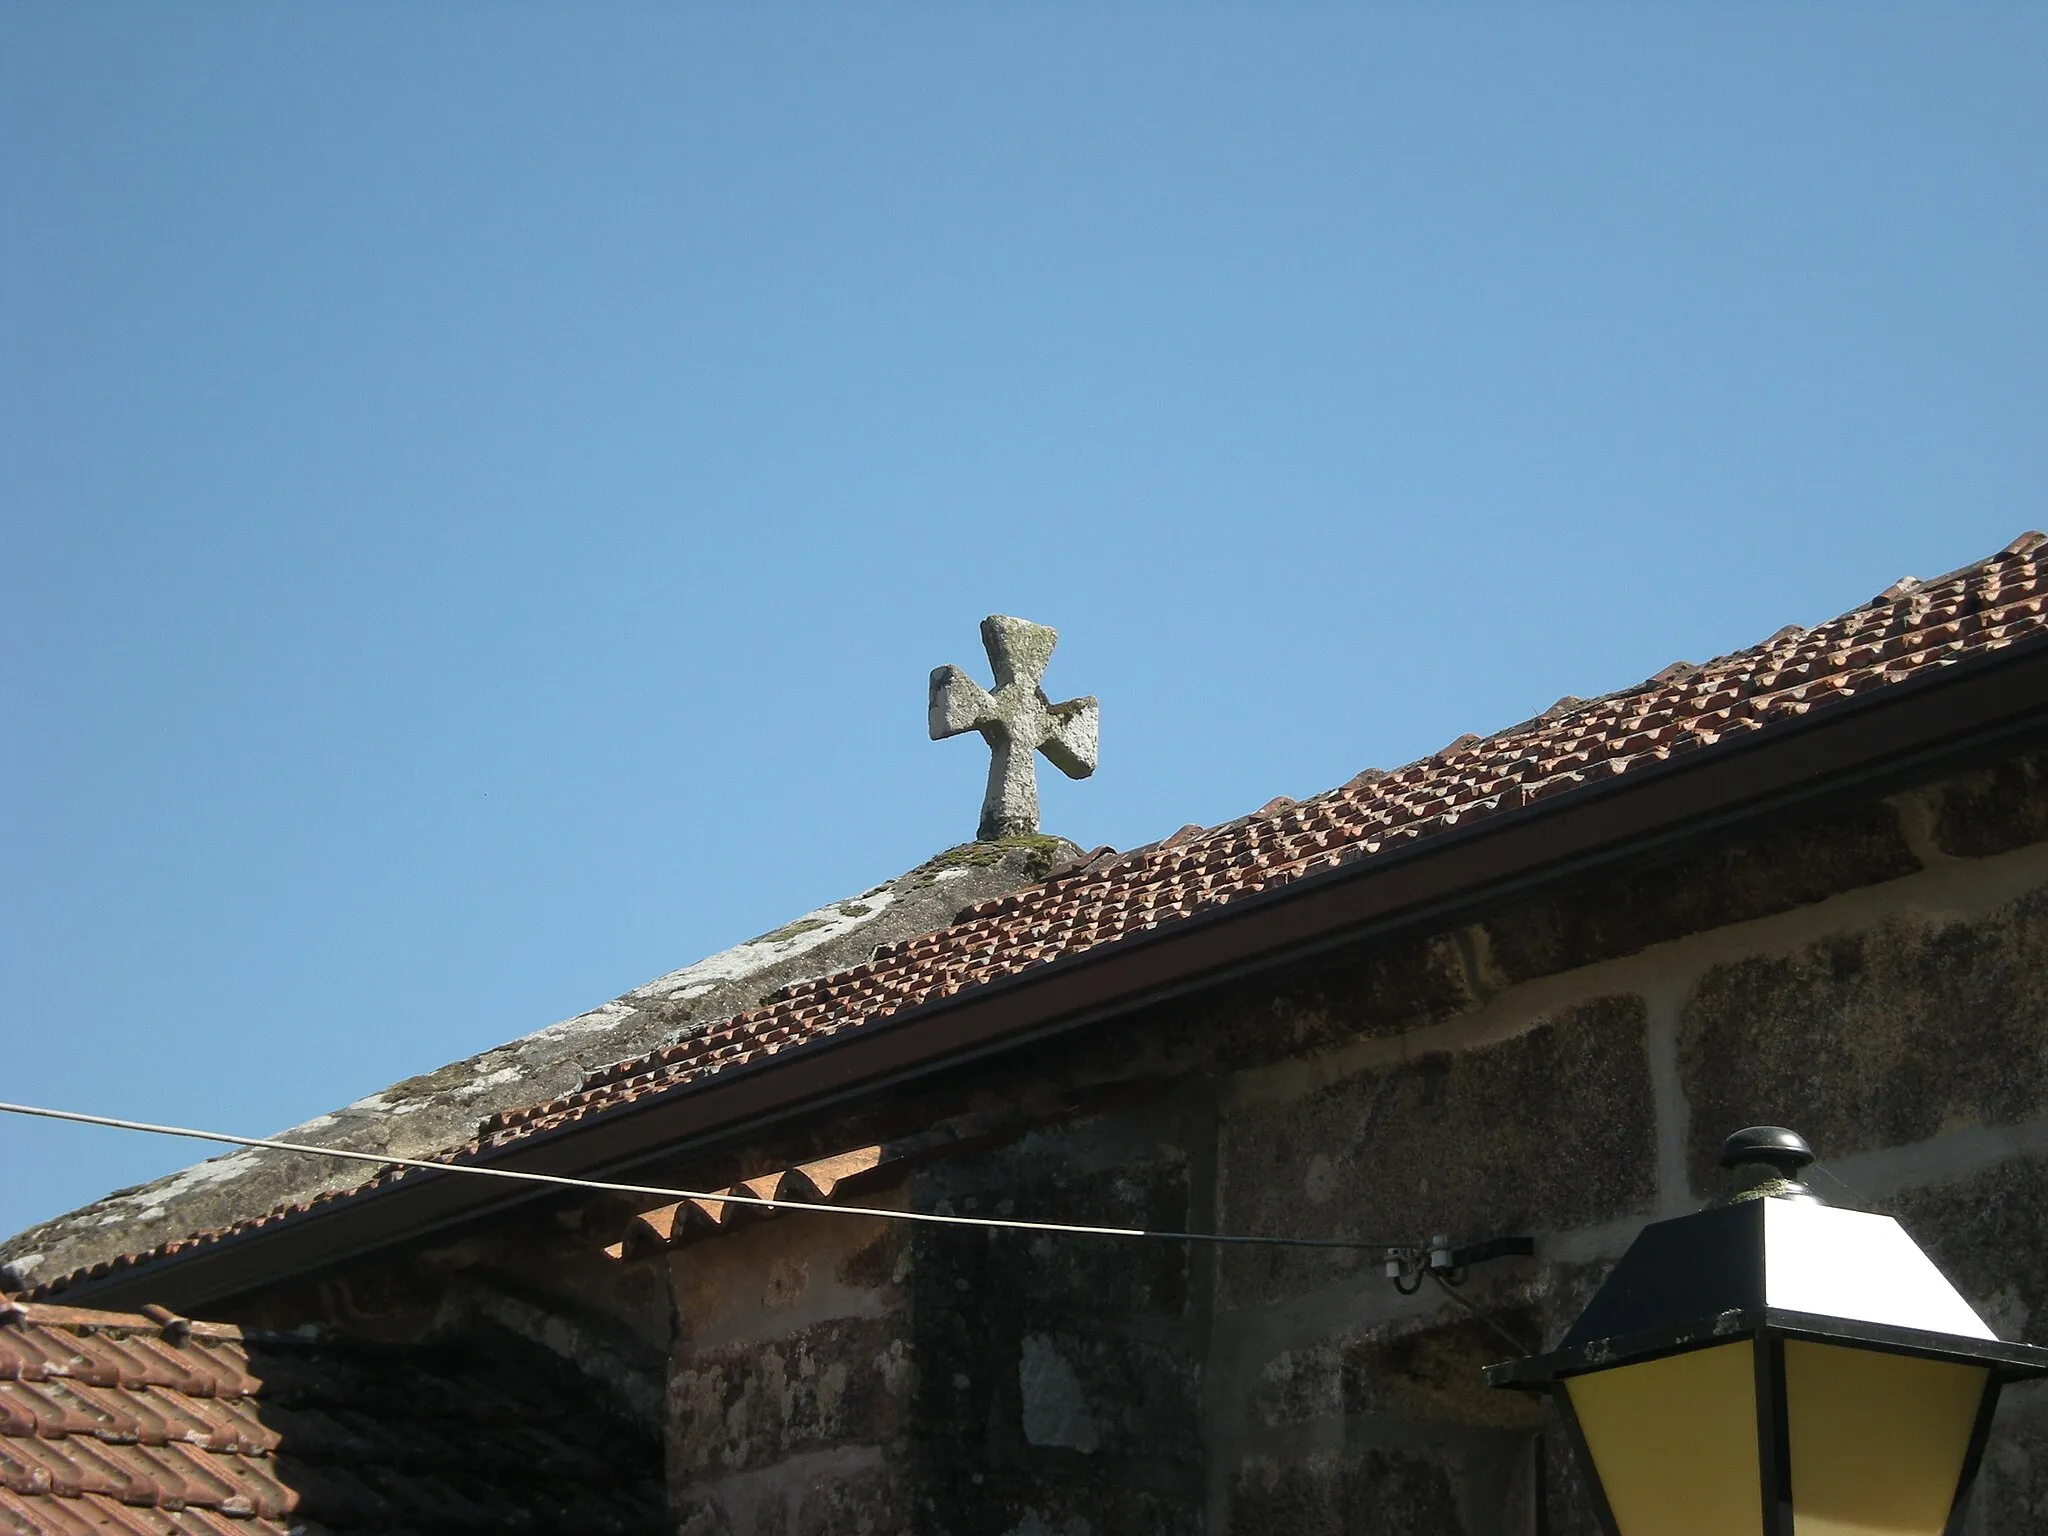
{"type": "Point", "coordinates": [423, 1114]}
{"type": "Point", "coordinates": [146, 1423]}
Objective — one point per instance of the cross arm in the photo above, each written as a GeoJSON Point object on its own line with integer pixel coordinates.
{"type": "Point", "coordinates": [1071, 738]}
{"type": "Point", "coordinates": [957, 703]}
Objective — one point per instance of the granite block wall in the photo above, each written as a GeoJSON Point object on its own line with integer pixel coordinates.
{"type": "Point", "coordinates": [1564, 1067]}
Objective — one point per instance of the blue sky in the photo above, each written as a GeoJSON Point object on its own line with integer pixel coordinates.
{"type": "Point", "coordinates": [482, 486]}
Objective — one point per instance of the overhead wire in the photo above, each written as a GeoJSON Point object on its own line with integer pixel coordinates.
{"type": "Point", "coordinates": [721, 1197]}
{"type": "Point", "coordinates": [1843, 1185]}
{"type": "Point", "coordinates": [1492, 1323]}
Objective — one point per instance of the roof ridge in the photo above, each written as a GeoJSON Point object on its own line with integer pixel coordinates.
{"type": "Point", "coordinates": [1676, 674]}
{"type": "Point", "coordinates": [1105, 897]}
{"type": "Point", "coordinates": [157, 1321]}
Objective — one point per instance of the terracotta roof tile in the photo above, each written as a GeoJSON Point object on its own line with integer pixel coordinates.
{"type": "Point", "coordinates": [1911, 630]}
{"type": "Point", "coordinates": [120, 1422]}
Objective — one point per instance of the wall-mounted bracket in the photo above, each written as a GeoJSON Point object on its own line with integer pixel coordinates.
{"type": "Point", "coordinates": [1450, 1267]}
{"type": "Point", "coordinates": [1409, 1267]}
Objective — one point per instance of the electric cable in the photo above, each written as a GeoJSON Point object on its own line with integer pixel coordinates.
{"type": "Point", "coordinates": [602, 1186]}
{"type": "Point", "coordinates": [1492, 1323]}
{"type": "Point", "coordinates": [1846, 1188]}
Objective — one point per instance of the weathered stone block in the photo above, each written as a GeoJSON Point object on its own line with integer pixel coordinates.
{"type": "Point", "coordinates": [1873, 1039]}
{"type": "Point", "coordinates": [1373, 1492]}
{"type": "Point", "coordinates": [1012, 1503]}
{"type": "Point", "coordinates": [1549, 1131]}
{"type": "Point", "coordinates": [1567, 1499]}
{"type": "Point", "coordinates": [751, 1404]}
{"type": "Point", "coordinates": [1754, 875]}
{"type": "Point", "coordinates": [1995, 809]}
{"type": "Point", "coordinates": [1376, 989]}
{"type": "Point", "coordinates": [2012, 1486]}
{"type": "Point", "coordinates": [1067, 1280]}
{"type": "Point", "coordinates": [1362, 992]}
{"type": "Point", "coordinates": [876, 1502]}
{"type": "Point", "coordinates": [1435, 1374]}
{"type": "Point", "coordinates": [1989, 1235]}
{"type": "Point", "coordinates": [1428, 1372]}
{"type": "Point", "coordinates": [841, 1493]}
{"type": "Point", "coordinates": [1099, 1394]}
{"type": "Point", "coordinates": [1299, 1386]}
{"type": "Point", "coordinates": [1006, 1373]}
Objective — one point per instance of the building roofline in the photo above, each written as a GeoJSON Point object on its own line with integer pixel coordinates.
{"type": "Point", "coordinates": [1939, 718]}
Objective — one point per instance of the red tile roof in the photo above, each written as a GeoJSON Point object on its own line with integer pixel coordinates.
{"type": "Point", "coordinates": [1908, 631]}
{"type": "Point", "coordinates": [145, 1423]}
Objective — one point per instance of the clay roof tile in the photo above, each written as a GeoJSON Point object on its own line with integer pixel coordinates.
{"type": "Point", "coordinates": [113, 1422]}
{"type": "Point", "coordinates": [1103, 897]}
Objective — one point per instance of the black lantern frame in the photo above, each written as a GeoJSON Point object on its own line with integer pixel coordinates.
{"type": "Point", "coordinates": [1713, 1279]}
{"type": "Point", "coordinates": [1770, 1329]}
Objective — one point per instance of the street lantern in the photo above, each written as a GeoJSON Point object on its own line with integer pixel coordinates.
{"type": "Point", "coordinates": [1773, 1366]}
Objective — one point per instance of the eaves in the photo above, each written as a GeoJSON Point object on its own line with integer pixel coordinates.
{"type": "Point", "coordinates": [1890, 737]}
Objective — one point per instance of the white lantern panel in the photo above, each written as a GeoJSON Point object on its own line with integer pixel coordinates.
{"type": "Point", "coordinates": [1854, 1264]}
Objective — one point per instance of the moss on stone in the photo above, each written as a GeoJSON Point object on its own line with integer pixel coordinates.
{"type": "Point", "coordinates": [790, 930]}
{"type": "Point", "coordinates": [1042, 852]}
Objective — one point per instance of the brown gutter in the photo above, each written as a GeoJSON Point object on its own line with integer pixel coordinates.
{"type": "Point", "coordinates": [1902, 733]}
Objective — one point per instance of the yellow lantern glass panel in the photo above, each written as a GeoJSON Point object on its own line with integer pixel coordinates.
{"type": "Point", "coordinates": [1877, 1440]}
{"type": "Point", "coordinates": [1675, 1442]}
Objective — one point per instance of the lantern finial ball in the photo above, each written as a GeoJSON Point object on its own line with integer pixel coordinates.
{"type": "Point", "coordinates": [1767, 1160]}
{"type": "Point", "coordinates": [1772, 1144]}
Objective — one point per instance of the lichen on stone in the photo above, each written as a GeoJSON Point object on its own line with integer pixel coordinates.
{"type": "Point", "coordinates": [446, 1106]}
{"type": "Point", "coordinates": [800, 926]}
{"type": "Point", "coordinates": [1043, 853]}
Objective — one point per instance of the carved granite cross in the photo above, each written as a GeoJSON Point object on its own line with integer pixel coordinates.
{"type": "Point", "coordinates": [1016, 721]}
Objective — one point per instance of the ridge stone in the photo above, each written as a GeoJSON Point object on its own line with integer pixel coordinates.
{"type": "Point", "coordinates": [422, 1115]}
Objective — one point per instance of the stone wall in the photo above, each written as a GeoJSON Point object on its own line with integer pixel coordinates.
{"type": "Point", "coordinates": [1873, 976]}
{"type": "Point", "coordinates": [1898, 1015]}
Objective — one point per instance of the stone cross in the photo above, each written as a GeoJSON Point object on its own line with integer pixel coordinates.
{"type": "Point", "coordinates": [1016, 721]}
